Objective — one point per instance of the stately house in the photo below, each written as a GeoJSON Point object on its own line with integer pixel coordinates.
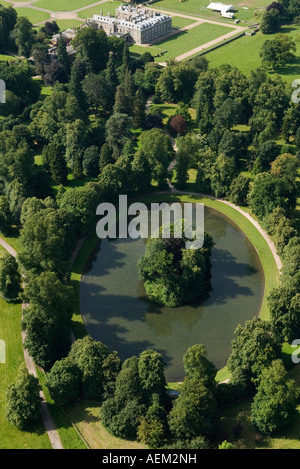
{"type": "Point", "coordinates": [133, 24]}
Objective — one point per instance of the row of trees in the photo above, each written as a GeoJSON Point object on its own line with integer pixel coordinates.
{"type": "Point", "coordinates": [279, 13]}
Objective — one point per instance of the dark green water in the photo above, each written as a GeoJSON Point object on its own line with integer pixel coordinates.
{"type": "Point", "coordinates": [116, 311]}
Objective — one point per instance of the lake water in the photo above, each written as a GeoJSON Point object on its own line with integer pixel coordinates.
{"type": "Point", "coordinates": [117, 312]}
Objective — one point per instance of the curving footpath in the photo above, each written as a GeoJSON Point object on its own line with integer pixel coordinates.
{"type": "Point", "coordinates": [46, 416]}
{"type": "Point", "coordinates": [246, 214]}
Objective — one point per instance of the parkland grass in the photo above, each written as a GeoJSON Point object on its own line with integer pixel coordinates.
{"type": "Point", "coordinates": [190, 39]}
{"type": "Point", "coordinates": [66, 5]}
{"type": "Point", "coordinates": [86, 417]}
{"type": "Point", "coordinates": [10, 332]}
{"type": "Point", "coordinates": [34, 16]}
{"type": "Point", "coordinates": [244, 54]}
{"type": "Point", "coordinates": [106, 7]}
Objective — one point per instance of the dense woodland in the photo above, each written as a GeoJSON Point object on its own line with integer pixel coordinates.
{"type": "Point", "coordinates": [97, 141]}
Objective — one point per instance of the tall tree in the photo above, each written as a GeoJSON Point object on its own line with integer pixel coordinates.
{"type": "Point", "coordinates": [23, 399]}
{"type": "Point", "coordinates": [274, 405]}
{"type": "Point", "coordinates": [257, 343]}
{"type": "Point", "coordinates": [93, 48]}
{"type": "Point", "coordinates": [23, 36]}
{"type": "Point", "coordinates": [278, 51]}
{"type": "Point", "coordinates": [63, 56]}
{"type": "Point", "coordinates": [194, 411]}
{"type": "Point", "coordinates": [10, 278]}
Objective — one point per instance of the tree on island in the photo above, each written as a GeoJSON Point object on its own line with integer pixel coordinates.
{"type": "Point", "coordinates": [172, 274]}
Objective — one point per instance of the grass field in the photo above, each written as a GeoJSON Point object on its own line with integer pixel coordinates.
{"type": "Point", "coordinates": [237, 428]}
{"type": "Point", "coordinates": [10, 332]}
{"type": "Point", "coordinates": [7, 58]}
{"type": "Point", "coordinates": [140, 50]}
{"type": "Point", "coordinates": [34, 16]}
{"type": "Point", "coordinates": [66, 5]}
{"type": "Point", "coordinates": [86, 417]}
{"type": "Point", "coordinates": [5, 4]}
{"type": "Point", "coordinates": [181, 22]}
{"type": "Point", "coordinates": [187, 40]}
{"type": "Point", "coordinates": [106, 7]}
{"type": "Point", "coordinates": [244, 54]}
{"type": "Point", "coordinates": [245, 11]}
{"type": "Point", "coordinates": [65, 24]}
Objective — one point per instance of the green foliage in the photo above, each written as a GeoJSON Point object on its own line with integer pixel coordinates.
{"type": "Point", "coordinates": [225, 445]}
{"type": "Point", "coordinates": [10, 278]}
{"type": "Point", "coordinates": [239, 190]}
{"type": "Point", "coordinates": [137, 407]}
{"type": "Point", "coordinates": [63, 381]}
{"type": "Point", "coordinates": [274, 405]}
{"type": "Point", "coordinates": [277, 52]}
{"type": "Point", "coordinates": [89, 356]}
{"type": "Point", "coordinates": [23, 400]}
{"type": "Point", "coordinates": [172, 274]}
{"type": "Point", "coordinates": [93, 48]}
{"type": "Point", "coordinates": [222, 174]}
{"type": "Point", "coordinates": [47, 334]}
{"type": "Point", "coordinates": [23, 36]}
{"type": "Point", "coordinates": [257, 343]}
{"type": "Point", "coordinates": [96, 91]}
{"type": "Point", "coordinates": [270, 22]}
{"type": "Point", "coordinates": [266, 194]}
{"type": "Point", "coordinates": [151, 373]}
{"type": "Point", "coordinates": [284, 304]}
{"type": "Point", "coordinates": [118, 130]}
{"type": "Point", "coordinates": [194, 411]}
{"type": "Point", "coordinates": [151, 433]}
{"type": "Point", "coordinates": [197, 365]}
{"type": "Point", "coordinates": [90, 162]}
{"type": "Point", "coordinates": [44, 240]}
{"type": "Point", "coordinates": [8, 20]}
{"type": "Point", "coordinates": [54, 159]}
{"type": "Point", "coordinates": [268, 152]}
{"type": "Point", "coordinates": [158, 150]}
{"type": "Point", "coordinates": [176, 82]}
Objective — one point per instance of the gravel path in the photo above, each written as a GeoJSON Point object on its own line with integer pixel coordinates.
{"type": "Point", "coordinates": [236, 207]}
{"type": "Point", "coordinates": [46, 416]}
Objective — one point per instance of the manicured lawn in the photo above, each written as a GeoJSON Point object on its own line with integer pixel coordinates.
{"type": "Point", "coordinates": [180, 22]}
{"type": "Point", "coordinates": [66, 24]}
{"type": "Point", "coordinates": [34, 16]}
{"type": "Point", "coordinates": [140, 50]}
{"type": "Point", "coordinates": [190, 39]}
{"type": "Point", "coordinates": [66, 5]}
{"type": "Point", "coordinates": [106, 7]}
{"type": "Point", "coordinates": [5, 4]}
{"type": "Point", "coordinates": [244, 54]}
{"type": "Point", "coordinates": [244, 10]}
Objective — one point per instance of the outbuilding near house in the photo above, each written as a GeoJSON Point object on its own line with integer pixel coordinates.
{"type": "Point", "coordinates": [225, 10]}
